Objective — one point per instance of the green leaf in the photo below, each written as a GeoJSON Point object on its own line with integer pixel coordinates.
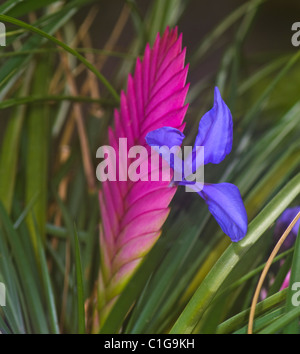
{"type": "Point", "coordinates": [79, 286]}
{"type": "Point", "coordinates": [37, 155]}
{"type": "Point", "coordinates": [10, 149]}
{"type": "Point", "coordinates": [48, 288]}
{"type": "Point", "coordinates": [293, 327]}
{"type": "Point", "coordinates": [282, 321]}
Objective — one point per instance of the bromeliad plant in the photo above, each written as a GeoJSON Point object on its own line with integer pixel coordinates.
{"type": "Point", "coordinates": [193, 279]}
{"type": "Point", "coordinates": [133, 213]}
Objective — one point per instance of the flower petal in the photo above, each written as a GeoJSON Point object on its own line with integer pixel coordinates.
{"type": "Point", "coordinates": [215, 131]}
{"type": "Point", "coordinates": [162, 140]}
{"type": "Point", "coordinates": [226, 205]}
{"type": "Point", "coordinates": [282, 224]}
{"type": "Point", "coordinates": [165, 136]}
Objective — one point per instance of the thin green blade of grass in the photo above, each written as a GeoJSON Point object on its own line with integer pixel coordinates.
{"type": "Point", "coordinates": [9, 157]}
{"type": "Point", "coordinates": [282, 321]}
{"type": "Point", "coordinates": [293, 327]}
{"type": "Point", "coordinates": [232, 257]}
{"type": "Point", "coordinates": [10, 149]}
{"type": "Point", "coordinates": [12, 102]}
{"type": "Point", "coordinates": [62, 233]}
{"type": "Point", "coordinates": [79, 285]}
{"type": "Point", "coordinates": [262, 321]}
{"type": "Point", "coordinates": [91, 243]}
{"type": "Point", "coordinates": [48, 289]}
{"type": "Point", "coordinates": [37, 121]}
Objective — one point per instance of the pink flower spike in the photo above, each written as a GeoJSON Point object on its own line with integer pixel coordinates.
{"type": "Point", "coordinates": [133, 213]}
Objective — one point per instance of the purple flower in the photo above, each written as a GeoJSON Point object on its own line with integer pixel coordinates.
{"type": "Point", "coordinates": [215, 135]}
{"type": "Point", "coordinates": [282, 224]}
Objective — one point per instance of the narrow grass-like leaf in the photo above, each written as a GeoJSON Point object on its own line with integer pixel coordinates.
{"type": "Point", "coordinates": [46, 282]}
{"type": "Point", "coordinates": [79, 285]}
{"type": "Point", "coordinates": [10, 149]}
{"type": "Point", "coordinates": [282, 321]}
{"type": "Point", "coordinates": [263, 321]}
{"type": "Point", "coordinates": [9, 157]}
{"type": "Point", "coordinates": [37, 155]}
{"type": "Point", "coordinates": [62, 232]}
{"type": "Point", "coordinates": [293, 327]}
{"type": "Point", "coordinates": [52, 99]}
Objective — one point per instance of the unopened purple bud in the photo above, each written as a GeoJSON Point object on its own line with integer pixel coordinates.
{"type": "Point", "coordinates": [282, 224]}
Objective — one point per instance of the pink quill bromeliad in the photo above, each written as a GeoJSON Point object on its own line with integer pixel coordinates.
{"type": "Point", "coordinates": [134, 212]}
